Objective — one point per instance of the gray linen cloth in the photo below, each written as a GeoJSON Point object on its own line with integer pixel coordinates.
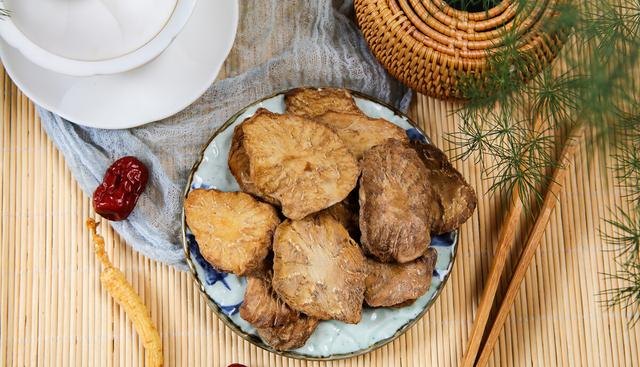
{"type": "Point", "coordinates": [279, 45]}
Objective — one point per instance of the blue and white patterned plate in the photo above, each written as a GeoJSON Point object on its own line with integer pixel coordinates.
{"type": "Point", "coordinates": [332, 339]}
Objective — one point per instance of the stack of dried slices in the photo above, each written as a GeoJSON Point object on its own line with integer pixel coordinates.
{"type": "Point", "coordinates": [337, 212]}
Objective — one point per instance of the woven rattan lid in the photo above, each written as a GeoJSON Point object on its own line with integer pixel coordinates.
{"type": "Point", "coordinates": [429, 45]}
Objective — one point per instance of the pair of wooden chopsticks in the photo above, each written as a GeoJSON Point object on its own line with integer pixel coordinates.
{"type": "Point", "coordinates": [505, 242]}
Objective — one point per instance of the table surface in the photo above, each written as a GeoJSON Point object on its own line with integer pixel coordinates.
{"type": "Point", "coordinates": [53, 310]}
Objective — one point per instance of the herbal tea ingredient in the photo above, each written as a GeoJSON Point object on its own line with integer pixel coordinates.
{"type": "Point", "coordinates": [122, 185]}
{"type": "Point", "coordinates": [116, 284]}
{"type": "Point", "coordinates": [311, 267]}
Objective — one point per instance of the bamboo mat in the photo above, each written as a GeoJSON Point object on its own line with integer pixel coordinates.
{"type": "Point", "coordinates": [54, 312]}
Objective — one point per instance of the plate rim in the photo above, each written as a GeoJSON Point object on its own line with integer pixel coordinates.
{"type": "Point", "coordinates": [216, 308]}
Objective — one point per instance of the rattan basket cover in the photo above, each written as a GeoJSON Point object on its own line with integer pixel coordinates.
{"type": "Point", "coordinates": [429, 45]}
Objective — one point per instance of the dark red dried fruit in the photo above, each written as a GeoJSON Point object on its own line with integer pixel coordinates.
{"type": "Point", "coordinates": [236, 365]}
{"type": "Point", "coordinates": [120, 189]}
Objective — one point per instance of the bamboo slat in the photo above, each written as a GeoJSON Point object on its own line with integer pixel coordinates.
{"type": "Point", "coordinates": [54, 312]}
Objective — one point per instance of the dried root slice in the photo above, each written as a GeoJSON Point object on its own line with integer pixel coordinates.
{"type": "Point", "coordinates": [239, 166]}
{"type": "Point", "coordinates": [300, 163]}
{"type": "Point", "coordinates": [233, 229]}
{"type": "Point", "coordinates": [360, 132]}
{"type": "Point", "coordinates": [456, 200]}
{"type": "Point", "coordinates": [346, 212]}
{"type": "Point", "coordinates": [311, 102]}
{"type": "Point", "coordinates": [262, 307]}
{"type": "Point", "coordinates": [395, 215]}
{"type": "Point", "coordinates": [123, 293]}
{"type": "Point", "coordinates": [289, 336]}
{"type": "Point", "coordinates": [393, 285]}
{"type": "Point", "coordinates": [318, 269]}
{"type": "Point", "coordinates": [278, 325]}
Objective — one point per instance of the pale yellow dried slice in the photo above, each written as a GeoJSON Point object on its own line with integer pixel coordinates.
{"type": "Point", "coordinates": [233, 229]}
{"type": "Point", "coordinates": [300, 163]}
{"type": "Point", "coordinates": [313, 102]}
{"type": "Point", "coordinates": [239, 166]}
{"type": "Point", "coordinates": [360, 132]}
{"type": "Point", "coordinates": [393, 284]}
{"type": "Point", "coordinates": [318, 269]}
{"type": "Point", "coordinates": [395, 210]}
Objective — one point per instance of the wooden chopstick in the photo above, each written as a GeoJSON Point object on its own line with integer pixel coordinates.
{"type": "Point", "coordinates": [533, 241]}
{"type": "Point", "coordinates": [505, 243]}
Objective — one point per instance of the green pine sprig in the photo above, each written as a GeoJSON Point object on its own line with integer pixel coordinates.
{"type": "Point", "coordinates": [625, 239]}
{"type": "Point", "coordinates": [511, 127]}
{"type": "Point", "coordinates": [626, 297]}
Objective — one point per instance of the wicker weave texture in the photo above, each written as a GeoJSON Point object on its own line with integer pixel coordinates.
{"type": "Point", "coordinates": [430, 46]}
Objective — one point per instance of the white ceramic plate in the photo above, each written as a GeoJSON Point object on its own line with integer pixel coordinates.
{"type": "Point", "coordinates": [156, 90]}
{"type": "Point", "coordinates": [331, 339]}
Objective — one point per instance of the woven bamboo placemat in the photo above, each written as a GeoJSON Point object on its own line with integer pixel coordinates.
{"type": "Point", "coordinates": [54, 312]}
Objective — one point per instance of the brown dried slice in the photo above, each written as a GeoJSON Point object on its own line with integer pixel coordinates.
{"type": "Point", "coordinates": [233, 229]}
{"type": "Point", "coordinates": [291, 335]}
{"type": "Point", "coordinates": [262, 307]}
{"type": "Point", "coordinates": [360, 132]}
{"type": "Point", "coordinates": [395, 219]}
{"type": "Point", "coordinates": [277, 324]}
{"type": "Point", "coordinates": [318, 269]}
{"type": "Point", "coordinates": [456, 199]}
{"type": "Point", "coordinates": [346, 212]}
{"type": "Point", "coordinates": [301, 163]}
{"type": "Point", "coordinates": [392, 285]}
{"type": "Point", "coordinates": [239, 166]}
{"type": "Point", "coordinates": [312, 102]}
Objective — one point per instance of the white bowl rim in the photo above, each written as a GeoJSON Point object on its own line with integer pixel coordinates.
{"type": "Point", "coordinates": [59, 64]}
{"type": "Point", "coordinates": [121, 121]}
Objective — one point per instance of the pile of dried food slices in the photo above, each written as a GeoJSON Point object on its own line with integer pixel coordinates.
{"type": "Point", "coordinates": [337, 212]}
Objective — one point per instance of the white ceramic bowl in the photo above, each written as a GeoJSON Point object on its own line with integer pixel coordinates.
{"type": "Point", "coordinates": [69, 64]}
